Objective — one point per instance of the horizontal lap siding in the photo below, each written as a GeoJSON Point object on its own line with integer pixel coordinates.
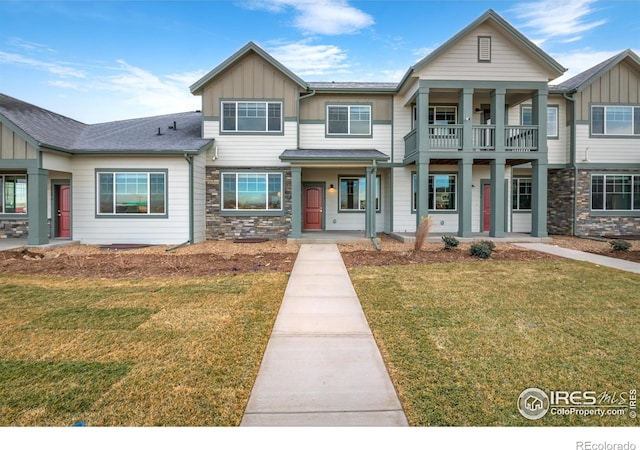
{"type": "Point", "coordinates": [404, 220]}
{"type": "Point", "coordinates": [91, 230]}
{"type": "Point", "coordinates": [606, 150]}
{"type": "Point", "coordinates": [402, 126]}
{"type": "Point", "coordinates": [521, 222]}
{"type": "Point", "coordinates": [54, 161]}
{"type": "Point", "coordinates": [313, 136]}
{"type": "Point", "coordinates": [199, 198]}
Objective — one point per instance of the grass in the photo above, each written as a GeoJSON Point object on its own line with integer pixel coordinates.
{"type": "Point", "coordinates": [461, 341]}
{"type": "Point", "coordinates": [152, 352]}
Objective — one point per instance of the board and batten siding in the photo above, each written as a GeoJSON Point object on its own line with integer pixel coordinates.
{"type": "Point", "coordinates": [89, 229]}
{"type": "Point", "coordinates": [313, 136]}
{"type": "Point", "coordinates": [605, 149]}
{"type": "Point", "coordinates": [13, 146]}
{"type": "Point", "coordinates": [508, 60]}
{"type": "Point", "coordinates": [315, 107]}
{"type": "Point", "coordinates": [252, 77]}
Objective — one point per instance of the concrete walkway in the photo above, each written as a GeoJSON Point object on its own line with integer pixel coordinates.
{"type": "Point", "coordinates": [606, 261]}
{"type": "Point", "coordinates": [322, 366]}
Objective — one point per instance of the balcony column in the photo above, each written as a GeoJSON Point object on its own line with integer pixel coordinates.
{"type": "Point", "coordinates": [497, 198]}
{"type": "Point", "coordinates": [465, 208]}
{"type": "Point", "coordinates": [37, 206]}
{"type": "Point", "coordinates": [296, 202]}
{"type": "Point", "coordinates": [498, 117]}
{"type": "Point", "coordinates": [422, 133]}
{"type": "Point", "coordinates": [370, 205]}
{"type": "Point", "coordinates": [422, 189]}
{"type": "Point", "coordinates": [539, 199]}
{"type": "Point", "coordinates": [539, 118]}
{"type": "Point", "coordinates": [465, 117]}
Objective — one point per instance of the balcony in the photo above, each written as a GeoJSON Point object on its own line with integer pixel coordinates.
{"type": "Point", "coordinates": [450, 137]}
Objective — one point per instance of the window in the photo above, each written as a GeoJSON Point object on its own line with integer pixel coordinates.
{"type": "Point", "coordinates": [353, 194]}
{"type": "Point", "coordinates": [352, 120]}
{"type": "Point", "coordinates": [442, 192]}
{"type": "Point", "coordinates": [615, 192]}
{"type": "Point", "coordinates": [251, 191]}
{"type": "Point", "coordinates": [552, 119]}
{"type": "Point", "coordinates": [521, 193]}
{"type": "Point", "coordinates": [13, 194]}
{"type": "Point", "coordinates": [128, 193]}
{"type": "Point", "coordinates": [443, 115]}
{"type": "Point", "coordinates": [252, 116]}
{"type": "Point", "coordinates": [615, 120]}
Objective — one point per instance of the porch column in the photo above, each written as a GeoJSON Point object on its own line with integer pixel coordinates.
{"type": "Point", "coordinates": [465, 118]}
{"type": "Point", "coordinates": [296, 202]}
{"type": "Point", "coordinates": [539, 117]}
{"type": "Point", "coordinates": [37, 206]}
{"type": "Point", "coordinates": [498, 116]}
{"type": "Point", "coordinates": [422, 191]}
{"type": "Point", "coordinates": [422, 133]}
{"type": "Point", "coordinates": [497, 198]}
{"type": "Point", "coordinates": [539, 199]}
{"type": "Point", "coordinates": [370, 205]}
{"type": "Point", "coordinates": [465, 170]}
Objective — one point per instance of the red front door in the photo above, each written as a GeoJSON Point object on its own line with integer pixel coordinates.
{"type": "Point", "coordinates": [64, 211]}
{"type": "Point", "coordinates": [486, 207]}
{"type": "Point", "coordinates": [312, 210]}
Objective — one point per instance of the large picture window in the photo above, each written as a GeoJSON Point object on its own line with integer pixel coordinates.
{"type": "Point", "coordinates": [521, 190]}
{"type": "Point", "coordinates": [353, 194]}
{"type": "Point", "coordinates": [552, 119]}
{"type": "Point", "coordinates": [251, 191]}
{"type": "Point", "coordinates": [13, 194]}
{"type": "Point", "coordinates": [442, 192]}
{"type": "Point", "coordinates": [349, 120]}
{"type": "Point", "coordinates": [252, 116]}
{"type": "Point", "coordinates": [615, 192]}
{"type": "Point", "coordinates": [615, 120]}
{"type": "Point", "coordinates": [132, 193]}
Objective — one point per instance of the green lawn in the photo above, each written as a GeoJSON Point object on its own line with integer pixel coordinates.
{"type": "Point", "coordinates": [152, 352]}
{"type": "Point", "coordinates": [462, 341]}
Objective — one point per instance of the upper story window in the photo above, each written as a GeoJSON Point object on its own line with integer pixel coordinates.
{"type": "Point", "coordinates": [438, 115]}
{"type": "Point", "coordinates": [13, 194]}
{"type": "Point", "coordinates": [245, 116]}
{"type": "Point", "coordinates": [129, 193]}
{"type": "Point", "coordinates": [552, 119]}
{"type": "Point", "coordinates": [614, 120]}
{"type": "Point", "coordinates": [243, 191]}
{"type": "Point", "coordinates": [350, 120]}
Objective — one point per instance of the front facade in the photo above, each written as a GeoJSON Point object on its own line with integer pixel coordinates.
{"type": "Point", "coordinates": [473, 137]}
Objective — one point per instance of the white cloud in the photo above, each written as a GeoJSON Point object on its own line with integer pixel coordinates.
{"type": "Point", "coordinates": [328, 17]}
{"type": "Point", "coordinates": [306, 59]}
{"type": "Point", "coordinates": [553, 19]}
{"type": "Point", "coordinates": [56, 68]}
{"type": "Point", "coordinates": [578, 61]}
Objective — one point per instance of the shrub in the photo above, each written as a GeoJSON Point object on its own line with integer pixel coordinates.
{"type": "Point", "coordinates": [620, 245]}
{"type": "Point", "coordinates": [449, 242]}
{"type": "Point", "coordinates": [422, 232]}
{"type": "Point", "coordinates": [482, 249]}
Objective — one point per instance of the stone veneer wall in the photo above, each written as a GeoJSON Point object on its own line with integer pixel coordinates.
{"type": "Point", "coordinates": [560, 197]}
{"type": "Point", "coordinates": [594, 225]}
{"type": "Point", "coordinates": [11, 228]}
{"type": "Point", "coordinates": [225, 227]}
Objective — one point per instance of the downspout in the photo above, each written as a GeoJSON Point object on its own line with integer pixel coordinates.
{"type": "Point", "coordinates": [572, 150]}
{"type": "Point", "coordinates": [373, 224]}
{"type": "Point", "coordinates": [189, 159]}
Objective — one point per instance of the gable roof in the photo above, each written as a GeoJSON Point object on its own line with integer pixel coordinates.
{"type": "Point", "coordinates": [51, 130]}
{"type": "Point", "coordinates": [584, 79]}
{"type": "Point", "coordinates": [249, 47]}
{"type": "Point", "coordinates": [489, 15]}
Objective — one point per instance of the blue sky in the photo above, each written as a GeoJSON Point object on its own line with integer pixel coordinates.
{"type": "Point", "coordinates": [98, 61]}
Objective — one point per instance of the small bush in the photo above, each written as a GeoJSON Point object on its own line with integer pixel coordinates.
{"type": "Point", "coordinates": [449, 242]}
{"type": "Point", "coordinates": [482, 249]}
{"type": "Point", "coordinates": [620, 245]}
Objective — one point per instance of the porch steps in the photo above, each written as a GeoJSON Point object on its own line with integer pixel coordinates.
{"type": "Point", "coordinates": [509, 238]}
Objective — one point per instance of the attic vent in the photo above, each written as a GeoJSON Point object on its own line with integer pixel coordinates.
{"type": "Point", "coordinates": [484, 48]}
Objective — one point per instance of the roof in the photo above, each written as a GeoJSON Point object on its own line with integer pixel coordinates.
{"type": "Point", "coordinates": [58, 132]}
{"type": "Point", "coordinates": [325, 155]}
{"type": "Point", "coordinates": [496, 18]}
{"type": "Point", "coordinates": [248, 48]}
{"type": "Point", "coordinates": [583, 79]}
{"type": "Point", "coordinates": [352, 86]}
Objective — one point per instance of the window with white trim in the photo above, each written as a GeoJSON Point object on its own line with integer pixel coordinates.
{"type": "Point", "coordinates": [353, 193]}
{"type": "Point", "coordinates": [251, 191]}
{"type": "Point", "coordinates": [13, 194]}
{"type": "Point", "coordinates": [442, 192]}
{"type": "Point", "coordinates": [521, 194]}
{"type": "Point", "coordinates": [350, 120]}
{"type": "Point", "coordinates": [552, 119]}
{"type": "Point", "coordinates": [615, 192]}
{"type": "Point", "coordinates": [443, 115]}
{"type": "Point", "coordinates": [615, 120]}
{"type": "Point", "coordinates": [131, 193]}
{"type": "Point", "coordinates": [244, 116]}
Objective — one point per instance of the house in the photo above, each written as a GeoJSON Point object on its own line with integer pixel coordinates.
{"type": "Point", "coordinates": [473, 136]}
